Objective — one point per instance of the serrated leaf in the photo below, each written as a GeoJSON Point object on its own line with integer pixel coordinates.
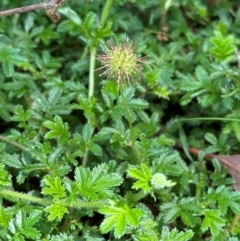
{"type": "Point", "coordinates": [185, 208]}
{"type": "Point", "coordinates": [143, 175]}
{"type": "Point", "coordinates": [58, 130]}
{"type": "Point", "coordinates": [12, 161]}
{"type": "Point", "coordinates": [54, 187]}
{"type": "Point", "coordinates": [87, 132]}
{"type": "Point", "coordinates": [5, 178]}
{"type": "Point", "coordinates": [201, 74]}
{"type": "Point", "coordinates": [107, 224]}
{"type": "Point", "coordinates": [5, 217]}
{"type": "Point", "coordinates": [213, 221]}
{"type": "Point", "coordinates": [96, 184]}
{"type": "Point", "coordinates": [56, 211]}
{"type": "Point", "coordinates": [225, 199]}
{"type": "Point", "coordinates": [175, 235]}
{"type": "Point", "coordinates": [120, 225]}
{"type": "Point", "coordinates": [170, 164]}
{"type": "Point", "coordinates": [95, 149]}
{"type": "Point", "coordinates": [22, 225]}
{"type": "Point", "coordinates": [223, 46]}
{"type": "Point", "coordinates": [54, 94]}
{"type": "Point", "coordinates": [10, 56]}
{"type": "Point", "coordinates": [118, 217]}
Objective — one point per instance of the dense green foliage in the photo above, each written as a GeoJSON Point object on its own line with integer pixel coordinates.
{"type": "Point", "coordinates": [87, 156]}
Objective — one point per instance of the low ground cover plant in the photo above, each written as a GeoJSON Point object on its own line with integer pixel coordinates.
{"type": "Point", "coordinates": [120, 121]}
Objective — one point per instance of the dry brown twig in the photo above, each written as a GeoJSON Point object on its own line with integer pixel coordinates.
{"type": "Point", "coordinates": [50, 7]}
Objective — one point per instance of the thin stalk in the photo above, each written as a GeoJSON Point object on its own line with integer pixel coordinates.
{"type": "Point", "coordinates": [85, 158]}
{"type": "Point", "coordinates": [234, 222]}
{"type": "Point", "coordinates": [25, 197]}
{"type": "Point", "coordinates": [206, 119]}
{"type": "Point", "coordinates": [3, 138]}
{"type": "Point", "coordinates": [93, 49]}
{"type": "Point", "coordinates": [130, 126]}
{"type": "Point", "coordinates": [231, 93]}
{"type": "Point", "coordinates": [93, 52]}
{"type": "Point", "coordinates": [105, 12]}
{"type": "Point", "coordinates": [140, 195]}
{"type": "Point", "coordinates": [47, 202]}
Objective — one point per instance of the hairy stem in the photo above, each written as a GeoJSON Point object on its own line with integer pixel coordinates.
{"type": "Point", "coordinates": [130, 126]}
{"type": "Point", "coordinates": [25, 197]}
{"type": "Point", "coordinates": [47, 202]}
{"type": "Point", "coordinates": [93, 52]}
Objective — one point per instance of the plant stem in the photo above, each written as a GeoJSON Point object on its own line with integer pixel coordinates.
{"type": "Point", "coordinates": [93, 51]}
{"type": "Point", "coordinates": [105, 12]}
{"type": "Point", "coordinates": [206, 119]}
{"type": "Point", "coordinates": [47, 202]}
{"type": "Point", "coordinates": [231, 93]}
{"type": "Point", "coordinates": [130, 126]}
{"type": "Point", "coordinates": [3, 138]}
{"type": "Point", "coordinates": [234, 222]}
{"type": "Point", "coordinates": [25, 197]}
{"type": "Point", "coordinates": [93, 48]}
{"type": "Point", "coordinates": [85, 158]}
{"type": "Point", "coordinates": [140, 195]}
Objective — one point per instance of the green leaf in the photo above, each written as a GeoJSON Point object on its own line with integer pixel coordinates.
{"type": "Point", "coordinates": [213, 221]}
{"type": "Point", "coordinates": [56, 211]}
{"type": "Point", "coordinates": [5, 178]}
{"type": "Point", "coordinates": [20, 114]}
{"type": "Point", "coordinates": [170, 164]}
{"type": "Point", "coordinates": [10, 56]}
{"type": "Point", "coordinates": [210, 138]}
{"type": "Point", "coordinates": [117, 111]}
{"type": "Point", "coordinates": [95, 149]}
{"type": "Point", "coordinates": [225, 199]}
{"type": "Point", "coordinates": [147, 228]}
{"type": "Point", "coordinates": [175, 235]}
{"type": "Point", "coordinates": [58, 129]}
{"type": "Point", "coordinates": [12, 161]}
{"type": "Point", "coordinates": [87, 132]}
{"type": "Point", "coordinates": [89, 141]}
{"type": "Point", "coordinates": [233, 126]}
{"type": "Point", "coordinates": [21, 226]}
{"type": "Point", "coordinates": [223, 46]}
{"type": "Point", "coordinates": [185, 208]}
{"type": "Point", "coordinates": [143, 175]}
{"type": "Point", "coordinates": [5, 217]}
{"type": "Point", "coordinates": [217, 144]}
{"type": "Point", "coordinates": [55, 187]}
{"type": "Point", "coordinates": [71, 14]}
{"type": "Point", "coordinates": [96, 184]}
{"type": "Point", "coordinates": [201, 74]}
{"type": "Point", "coordinates": [118, 217]}
{"type": "Point", "coordinates": [184, 141]}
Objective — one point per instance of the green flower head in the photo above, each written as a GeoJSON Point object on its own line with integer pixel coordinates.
{"type": "Point", "coordinates": [159, 181]}
{"type": "Point", "coordinates": [120, 61]}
